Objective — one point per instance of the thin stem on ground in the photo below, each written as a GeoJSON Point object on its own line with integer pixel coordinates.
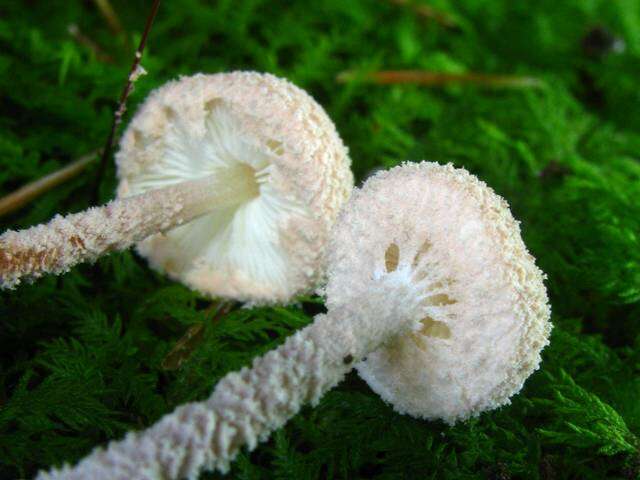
{"type": "Point", "coordinates": [428, 12]}
{"type": "Point", "coordinates": [89, 43]}
{"type": "Point", "coordinates": [134, 73]}
{"type": "Point", "coordinates": [439, 79]}
{"type": "Point", "coordinates": [21, 197]}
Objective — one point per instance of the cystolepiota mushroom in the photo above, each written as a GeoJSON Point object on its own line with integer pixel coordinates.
{"type": "Point", "coordinates": [483, 305]}
{"type": "Point", "coordinates": [425, 260]}
{"type": "Point", "coordinates": [247, 166]}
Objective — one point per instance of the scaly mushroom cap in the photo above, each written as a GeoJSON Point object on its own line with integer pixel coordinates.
{"type": "Point", "coordinates": [484, 316]}
{"type": "Point", "coordinates": [269, 247]}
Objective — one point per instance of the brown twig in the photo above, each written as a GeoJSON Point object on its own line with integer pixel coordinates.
{"type": "Point", "coordinates": [428, 12]}
{"type": "Point", "coordinates": [87, 42]}
{"type": "Point", "coordinates": [110, 16]}
{"type": "Point", "coordinates": [183, 348]}
{"type": "Point", "coordinates": [186, 345]}
{"type": "Point", "coordinates": [27, 193]}
{"type": "Point", "coordinates": [134, 73]}
{"type": "Point", "coordinates": [438, 79]}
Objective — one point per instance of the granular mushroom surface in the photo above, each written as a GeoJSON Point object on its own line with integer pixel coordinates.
{"type": "Point", "coordinates": [269, 246]}
{"type": "Point", "coordinates": [485, 316]}
{"type": "Point", "coordinates": [378, 298]}
{"type": "Point", "coordinates": [229, 183]}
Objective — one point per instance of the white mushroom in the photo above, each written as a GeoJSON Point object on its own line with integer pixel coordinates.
{"type": "Point", "coordinates": [483, 305]}
{"type": "Point", "coordinates": [425, 259]}
{"type": "Point", "coordinates": [247, 163]}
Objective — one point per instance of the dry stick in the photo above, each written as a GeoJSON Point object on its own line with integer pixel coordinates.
{"type": "Point", "coordinates": [107, 11]}
{"type": "Point", "coordinates": [128, 88]}
{"type": "Point", "coordinates": [421, 77]}
{"type": "Point", "coordinates": [183, 348]}
{"type": "Point", "coordinates": [66, 241]}
{"type": "Point", "coordinates": [186, 345]}
{"type": "Point", "coordinates": [24, 195]}
{"type": "Point", "coordinates": [429, 13]}
{"type": "Point", "coordinates": [87, 42]}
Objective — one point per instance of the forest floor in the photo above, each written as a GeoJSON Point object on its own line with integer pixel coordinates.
{"type": "Point", "coordinates": [86, 356]}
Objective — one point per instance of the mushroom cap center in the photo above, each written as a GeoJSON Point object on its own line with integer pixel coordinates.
{"type": "Point", "coordinates": [239, 241]}
{"type": "Point", "coordinates": [482, 307]}
{"type": "Point", "coordinates": [264, 240]}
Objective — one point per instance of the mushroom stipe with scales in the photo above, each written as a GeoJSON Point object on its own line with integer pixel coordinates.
{"type": "Point", "coordinates": [431, 295]}
{"type": "Point", "coordinates": [228, 182]}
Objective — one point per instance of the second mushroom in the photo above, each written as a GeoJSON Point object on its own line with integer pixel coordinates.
{"type": "Point", "coordinates": [228, 182]}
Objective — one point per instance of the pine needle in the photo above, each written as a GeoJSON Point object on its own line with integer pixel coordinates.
{"type": "Point", "coordinates": [21, 197]}
{"type": "Point", "coordinates": [439, 79]}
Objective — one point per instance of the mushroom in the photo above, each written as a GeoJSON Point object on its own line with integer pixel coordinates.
{"type": "Point", "coordinates": [431, 294]}
{"type": "Point", "coordinates": [229, 182]}
{"type": "Point", "coordinates": [483, 311]}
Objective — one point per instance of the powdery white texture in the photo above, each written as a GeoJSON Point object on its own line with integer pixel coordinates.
{"type": "Point", "coordinates": [485, 313]}
{"type": "Point", "coordinates": [271, 247]}
{"type": "Point", "coordinates": [246, 406]}
{"type": "Point", "coordinates": [377, 297]}
{"type": "Point", "coordinates": [57, 246]}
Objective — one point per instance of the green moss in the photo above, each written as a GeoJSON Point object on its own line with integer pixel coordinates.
{"type": "Point", "coordinates": [84, 356]}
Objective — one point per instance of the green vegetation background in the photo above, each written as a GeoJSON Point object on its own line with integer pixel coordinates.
{"type": "Point", "coordinates": [86, 356]}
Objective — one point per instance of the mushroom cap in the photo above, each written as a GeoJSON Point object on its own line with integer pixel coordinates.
{"type": "Point", "coordinates": [270, 247]}
{"type": "Point", "coordinates": [483, 309]}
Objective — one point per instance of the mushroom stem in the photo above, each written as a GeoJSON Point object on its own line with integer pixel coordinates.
{"type": "Point", "coordinates": [245, 407]}
{"type": "Point", "coordinates": [57, 246]}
